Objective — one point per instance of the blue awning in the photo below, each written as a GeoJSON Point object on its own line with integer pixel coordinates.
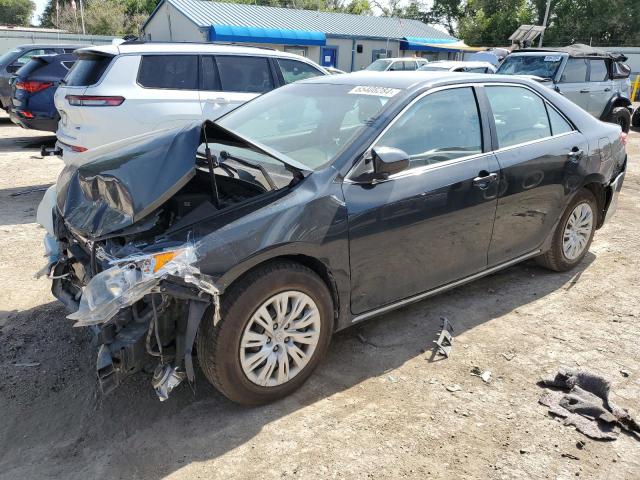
{"type": "Point", "coordinates": [433, 44]}
{"type": "Point", "coordinates": [280, 36]}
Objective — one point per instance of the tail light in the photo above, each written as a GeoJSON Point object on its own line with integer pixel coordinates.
{"type": "Point", "coordinates": [623, 138]}
{"type": "Point", "coordinates": [32, 86]}
{"type": "Point", "coordinates": [25, 113]}
{"type": "Point", "coordinates": [94, 101]}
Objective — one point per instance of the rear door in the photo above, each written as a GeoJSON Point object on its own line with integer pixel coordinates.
{"type": "Point", "coordinates": [430, 224]}
{"type": "Point", "coordinates": [539, 154]}
{"type": "Point", "coordinates": [229, 81]}
{"type": "Point", "coordinates": [573, 82]}
{"type": "Point", "coordinates": [599, 86]}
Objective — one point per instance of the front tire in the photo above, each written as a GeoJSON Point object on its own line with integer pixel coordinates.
{"type": "Point", "coordinates": [573, 235]}
{"type": "Point", "coordinates": [275, 327]}
{"type": "Point", "coordinates": [622, 117]}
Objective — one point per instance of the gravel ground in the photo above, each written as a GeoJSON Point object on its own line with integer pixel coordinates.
{"type": "Point", "coordinates": [378, 407]}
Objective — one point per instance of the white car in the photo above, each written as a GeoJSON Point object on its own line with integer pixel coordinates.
{"type": "Point", "coordinates": [459, 66]}
{"type": "Point", "coordinates": [397, 64]}
{"type": "Point", "coordinates": [119, 91]}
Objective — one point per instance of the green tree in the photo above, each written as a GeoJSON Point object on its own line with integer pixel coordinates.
{"type": "Point", "coordinates": [446, 13]}
{"type": "Point", "coordinates": [491, 22]}
{"type": "Point", "coordinates": [16, 12]}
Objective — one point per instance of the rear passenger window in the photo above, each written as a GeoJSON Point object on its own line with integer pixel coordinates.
{"type": "Point", "coordinates": [441, 126]}
{"type": "Point", "coordinates": [293, 70]}
{"type": "Point", "coordinates": [244, 74]}
{"type": "Point", "coordinates": [87, 70]}
{"type": "Point", "coordinates": [598, 72]}
{"type": "Point", "coordinates": [520, 115]}
{"type": "Point", "coordinates": [174, 72]}
{"type": "Point", "coordinates": [558, 124]}
{"type": "Point", "coordinates": [209, 73]}
{"type": "Point", "coordinates": [409, 65]}
{"type": "Point", "coordinates": [396, 66]}
{"type": "Point", "coordinates": [575, 71]}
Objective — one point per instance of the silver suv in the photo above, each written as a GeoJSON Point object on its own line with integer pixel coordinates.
{"type": "Point", "coordinates": [596, 80]}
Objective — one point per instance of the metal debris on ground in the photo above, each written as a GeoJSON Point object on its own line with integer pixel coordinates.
{"type": "Point", "coordinates": [445, 340]}
{"type": "Point", "coordinates": [31, 190]}
{"type": "Point", "coordinates": [453, 388]}
{"type": "Point", "coordinates": [484, 375]}
{"type": "Point", "coordinates": [582, 399]}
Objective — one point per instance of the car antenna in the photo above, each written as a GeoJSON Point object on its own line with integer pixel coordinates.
{"type": "Point", "coordinates": [212, 162]}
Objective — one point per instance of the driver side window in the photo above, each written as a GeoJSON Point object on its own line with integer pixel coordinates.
{"type": "Point", "coordinates": [442, 126]}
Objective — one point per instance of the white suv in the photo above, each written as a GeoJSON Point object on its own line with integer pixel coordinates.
{"type": "Point", "coordinates": [119, 91]}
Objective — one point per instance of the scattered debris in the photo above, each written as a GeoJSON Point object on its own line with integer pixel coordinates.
{"type": "Point", "coordinates": [445, 340]}
{"type": "Point", "coordinates": [625, 373]}
{"type": "Point", "coordinates": [584, 403]}
{"type": "Point", "coordinates": [454, 388]}
{"type": "Point", "coordinates": [31, 190]}
{"type": "Point", "coordinates": [580, 444]}
{"type": "Point", "coordinates": [508, 356]}
{"type": "Point", "coordinates": [392, 379]}
{"type": "Point", "coordinates": [27, 364]}
{"type": "Point", "coordinates": [484, 375]}
{"type": "Point", "coordinates": [569, 455]}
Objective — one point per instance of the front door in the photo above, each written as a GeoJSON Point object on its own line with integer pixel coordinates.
{"type": "Point", "coordinates": [539, 155]}
{"type": "Point", "coordinates": [430, 224]}
{"type": "Point", "coordinates": [573, 82]}
{"type": "Point", "coordinates": [328, 56]}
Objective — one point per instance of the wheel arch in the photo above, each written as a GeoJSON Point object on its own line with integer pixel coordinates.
{"type": "Point", "coordinates": [602, 195]}
{"type": "Point", "coordinates": [614, 102]}
{"type": "Point", "coordinates": [307, 259]}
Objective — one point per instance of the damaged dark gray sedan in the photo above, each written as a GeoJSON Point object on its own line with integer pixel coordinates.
{"type": "Point", "coordinates": [251, 240]}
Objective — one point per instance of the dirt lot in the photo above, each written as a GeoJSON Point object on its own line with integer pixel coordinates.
{"type": "Point", "coordinates": [377, 407]}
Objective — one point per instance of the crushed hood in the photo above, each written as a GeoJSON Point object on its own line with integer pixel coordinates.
{"type": "Point", "coordinates": [123, 184]}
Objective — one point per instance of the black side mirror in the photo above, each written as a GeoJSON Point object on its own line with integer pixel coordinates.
{"type": "Point", "coordinates": [387, 161]}
{"type": "Point", "coordinates": [13, 68]}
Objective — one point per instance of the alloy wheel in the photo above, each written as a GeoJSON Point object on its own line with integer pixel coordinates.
{"type": "Point", "coordinates": [577, 231]}
{"type": "Point", "coordinates": [280, 338]}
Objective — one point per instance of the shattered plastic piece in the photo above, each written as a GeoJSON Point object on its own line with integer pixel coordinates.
{"type": "Point", "coordinates": [585, 404]}
{"type": "Point", "coordinates": [486, 376]}
{"type": "Point", "coordinates": [454, 388]}
{"type": "Point", "coordinates": [131, 279]}
{"type": "Point", "coordinates": [444, 343]}
{"type": "Point", "coordinates": [165, 379]}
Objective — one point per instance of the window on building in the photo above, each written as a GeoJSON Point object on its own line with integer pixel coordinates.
{"type": "Point", "coordinates": [441, 126]}
{"type": "Point", "coordinates": [296, 50]}
{"type": "Point", "coordinates": [294, 70]}
{"type": "Point", "coordinates": [175, 72]}
{"type": "Point", "coordinates": [244, 74]}
{"type": "Point", "coordinates": [520, 115]}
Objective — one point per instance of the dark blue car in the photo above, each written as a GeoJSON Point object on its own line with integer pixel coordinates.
{"type": "Point", "coordinates": [32, 90]}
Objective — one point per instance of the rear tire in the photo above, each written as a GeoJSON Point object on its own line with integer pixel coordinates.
{"type": "Point", "coordinates": [254, 365]}
{"type": "Point", "coordinates": [573, 235]}
{"type": "Point", "coordinates": [622, 117]}
{"type": "Point", "coordinates": [635, 118]}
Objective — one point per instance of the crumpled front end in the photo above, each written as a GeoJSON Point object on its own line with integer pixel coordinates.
{"type": "Point", "coordinates": [145, 308]}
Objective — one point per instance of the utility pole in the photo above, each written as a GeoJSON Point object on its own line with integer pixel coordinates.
{"type": "Point", "coordinates": [82, 16]}
{"type": "Point", "coordinates": [544, 23]}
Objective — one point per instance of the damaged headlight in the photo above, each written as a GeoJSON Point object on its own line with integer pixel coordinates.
{"type": "Point", "coordinates": [131, 278]}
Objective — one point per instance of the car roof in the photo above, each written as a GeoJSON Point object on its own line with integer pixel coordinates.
{"type": "Point", "coordinates": [408, 80]}
{"type": "Point", "coordinates": [48, 45]}
{"type": "Point", "coordinates": [186, 47]}
{"type": "Point", "coordinates": [458, 63]}
{"type": "Point", "coordinates": [395, 59]}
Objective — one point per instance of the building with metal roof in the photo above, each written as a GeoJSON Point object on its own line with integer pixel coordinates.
{"type": "Point", "coordinates": [348, 42]}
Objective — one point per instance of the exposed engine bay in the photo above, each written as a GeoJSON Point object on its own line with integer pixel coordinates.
{"type": "Point", "coordinates": [131, 272]}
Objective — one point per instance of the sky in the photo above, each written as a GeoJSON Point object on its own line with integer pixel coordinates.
{"type": "Point", "coordinates": [40, 4]}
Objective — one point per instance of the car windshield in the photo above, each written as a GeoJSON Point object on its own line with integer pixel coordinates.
{"type": "Point", "coordinates": [308, 123]}
{"type": "Point", "coordinates": [545, 66]}
{"type": "Point", "coordinates": [379, 65]}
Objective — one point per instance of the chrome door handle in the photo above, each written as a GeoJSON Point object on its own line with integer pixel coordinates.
{"type": "Point", "coordinates": [607, 89]}
{"type": "Point", "coordinates": [585, 90]}
{"type": "Point", "coordinates": [575, 154]}
{"type": "Point", "coordinates": [484, 179]}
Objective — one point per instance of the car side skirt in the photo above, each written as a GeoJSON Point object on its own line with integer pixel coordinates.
{"type": "Point", "coordinates": [443, 288]}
